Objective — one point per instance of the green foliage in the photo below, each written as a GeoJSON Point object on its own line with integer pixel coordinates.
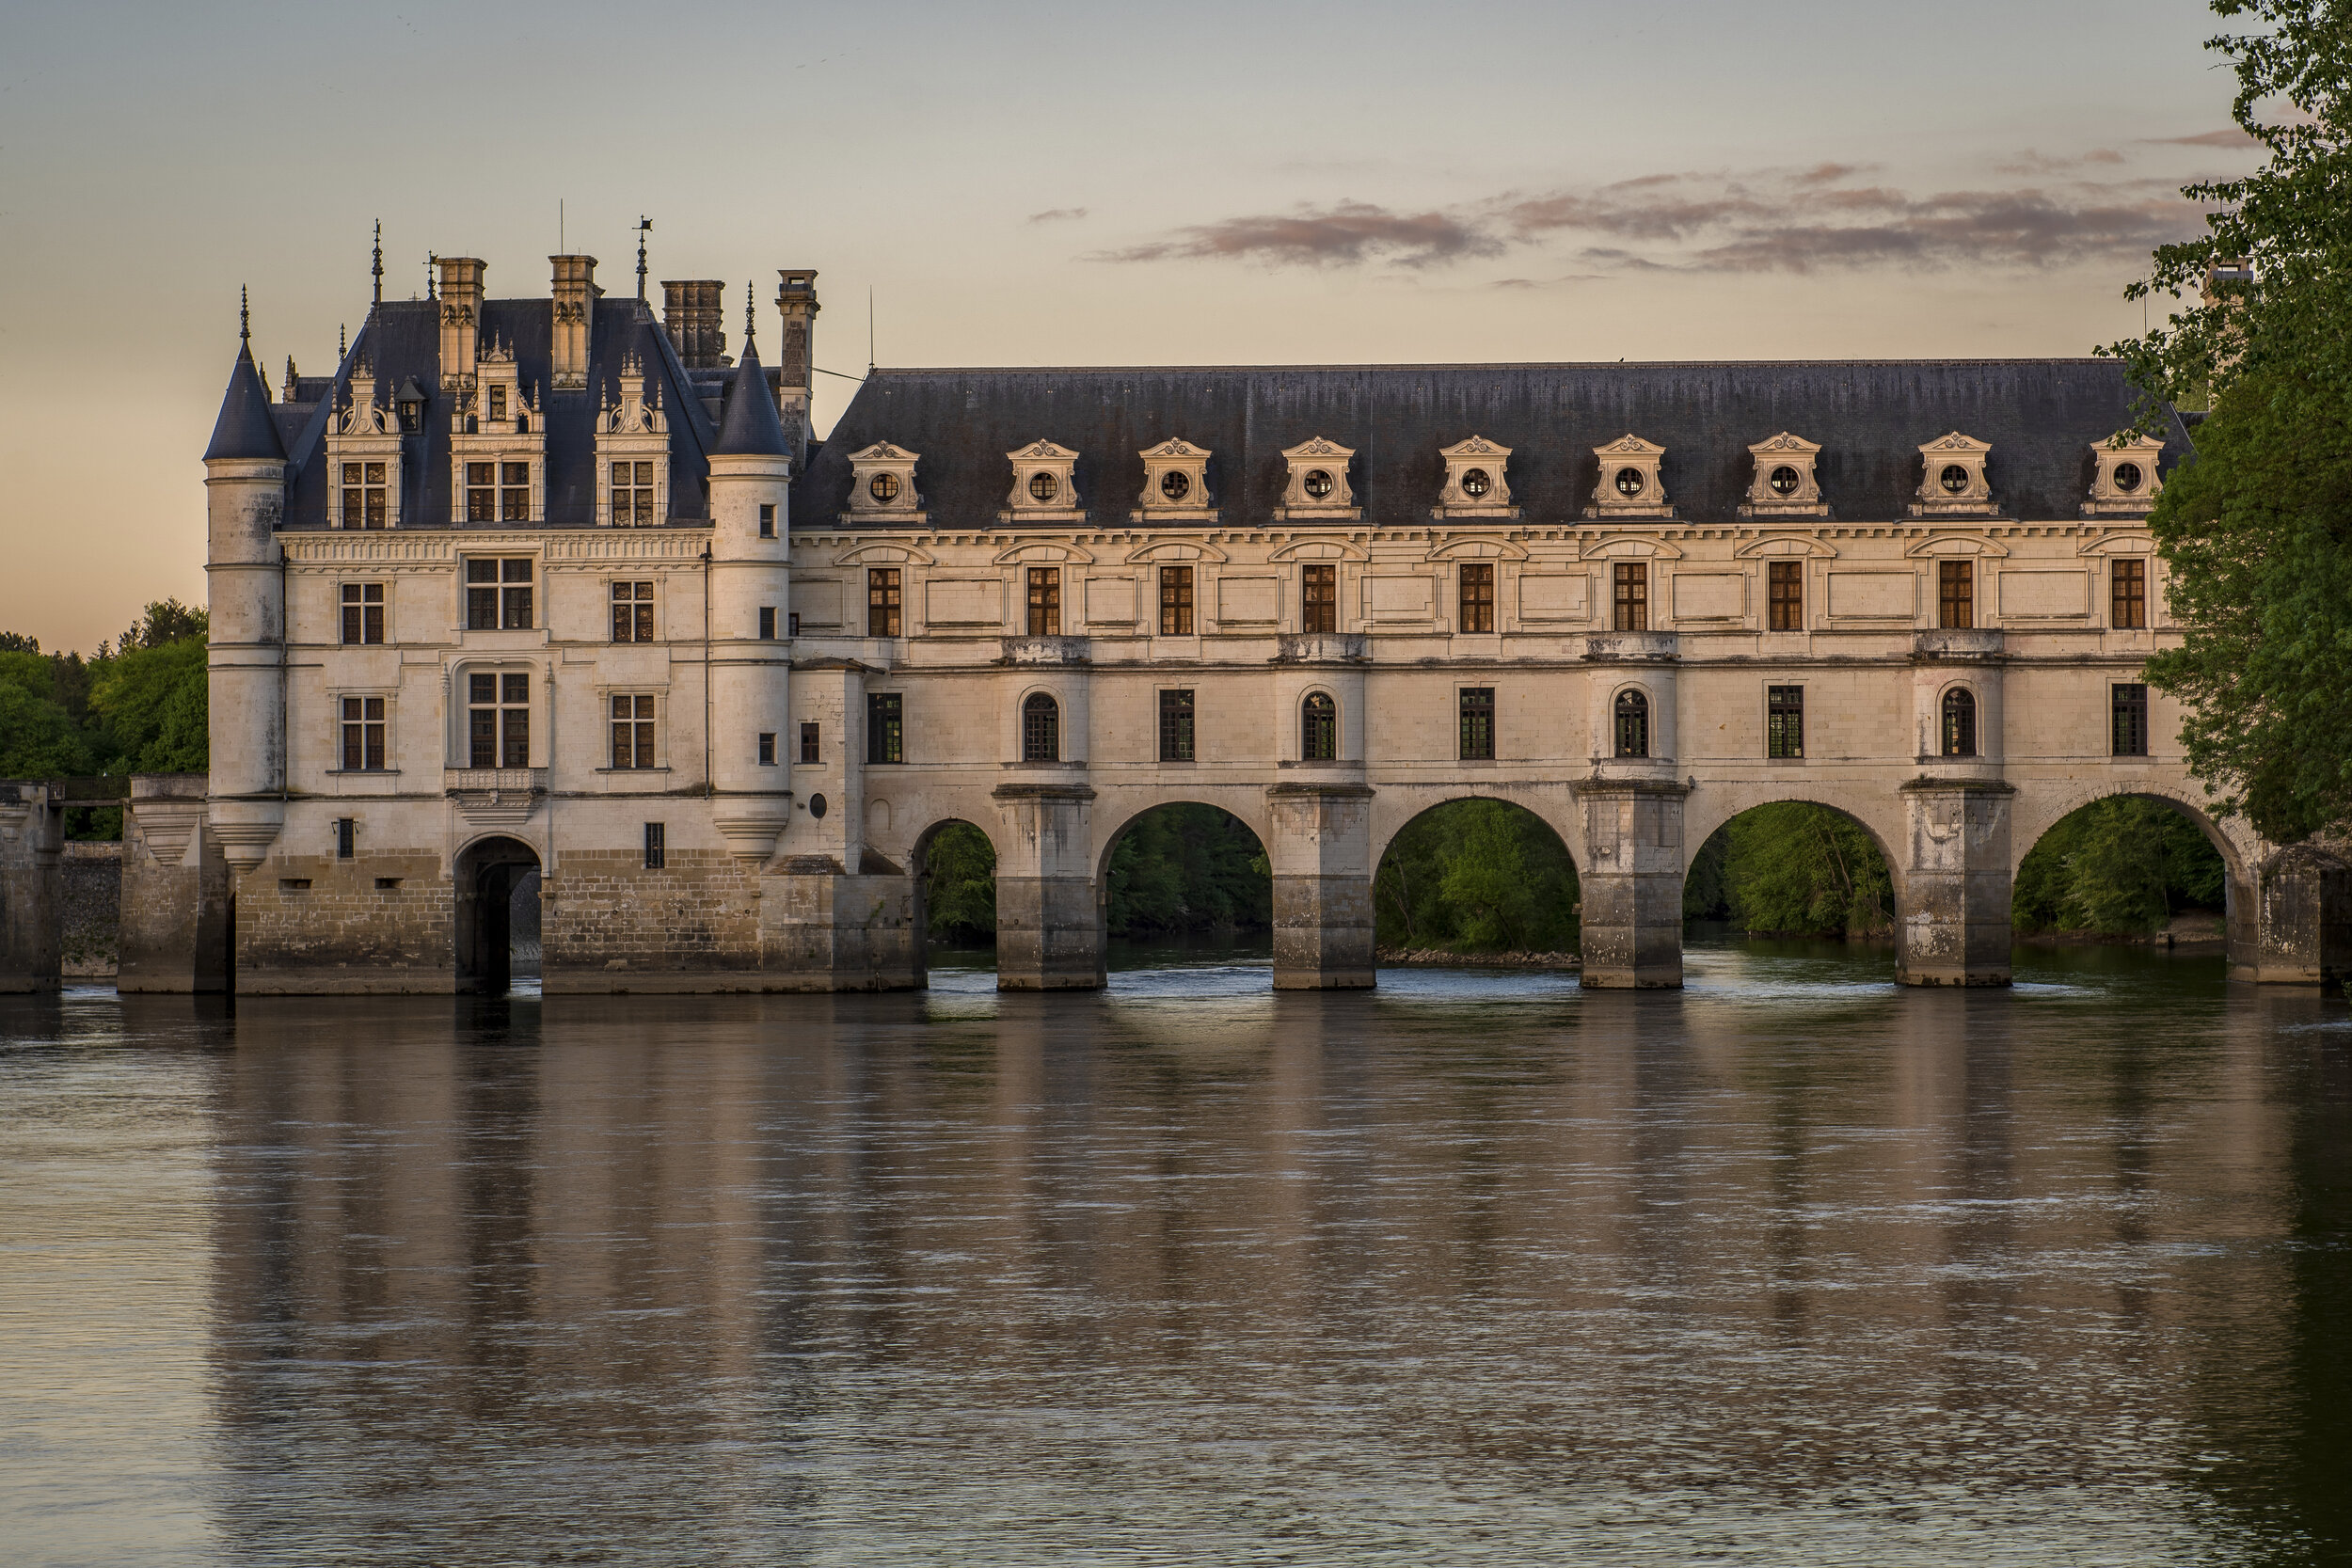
{"type": "Point", "coordinates": [959, 884]}
{"type": "Point", "coordinates": [1189, 868]}
{"type": "Point", "coordinates": [153, 700]}
{"type": "Point", "coordinates": [1477, 876]}
{"type": "Point", "coordinates": [2256, 528]}
{"type": "Point", "coordinates": [165, 622]}
{"type": "Point", "coordinates": [2120, 867]}
{"type": "Point", "coordinates": [138, 708]}
{"type": "Point", "coordinates": [1793, 869]}
{"type": "Point", "coordinates": [18, 642]}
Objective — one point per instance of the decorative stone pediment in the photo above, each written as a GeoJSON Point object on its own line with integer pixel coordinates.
{"type": "Point", "coordinates": [2125, 482]}
{"type": "Point", "coordinates": [1956, 543]}
{"type": "Point", "coordinates": [881, 486]}
{"type": "Point", "coordinates": [884, 555]}
{"type": "Point", "coordinates": [632, 445]}
{"type": "Point", "coordinates": [1043, 555]}
{"type": "Point", "coordinates": [1170, 551]}
{"type": "Point", "coordinates": [1475, 485]}
{"type": "Point", "coordinates": [1044, 485]}
{"type": "Point", "coordinates": [1952, 482]}
{"type": "Point", "coordinates": [1631, 544]}
{"type": "Point", "coordinates": [1479, 550]}
{"type": "Point", "coordinates": [1630, 483]}
{"type": "Point", "coordinates": [1320, 549]}
{"type": "Point", "coordinates": [1785, 544]}
{"type": "Point", "coordinates": [1175, 483]}
{"type": "Point", "coordinates": [1784, 484]}
{"type": "Point", "coordinates": [1317, 490]}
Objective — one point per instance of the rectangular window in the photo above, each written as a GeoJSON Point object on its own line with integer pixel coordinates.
{"type": "Point", "coordinates": [346, 837]}
{"type": "Point", "coordinates": [498, 594]}
{"type": "Point", "coordinates": [2130, 708]}
{"type": "Point", "coordinates": [482, 492]}
{"type": "Point", "coordinates": [632, 730]}
{"type": "Point", "coordinates": [513, 492]}
{"type": "Point", "coordinates": [767, 519]}
{"type": "Point", "coordinates": [767, 748]}
{"type": "Point", "coordinates": [1175, 601]}
{"type": "Point", "coordinates": [363, 613]}
{"type": "Point", "coordinates": [1478, 595]}
{"type": "Point", "coordinates": [1044, 601]}
{"type": "Point", "coordinates": [810, 753]}
{"type": "Point", "coordinates": [363, 734]}
{"type": "Point", "coordinates": [498, 402]}
{"type": "Point", "coordinates": [364, 495]}
{"type": "Point", "coordinates": [632, 612]}
{"type": "Point", "coordinates": [657, 847]}
{"type": "Point", "coordinates": [767, 622]}
{"type": "Point", "coordinates": [1319, 599]}
{"type": "Point", "coordinates": [1784, 722]}
{"type": "Point", "coordinates": [498, 721]}
{"type": "Point", "coordinates": [883, 602]}
{"type": "Point", "coordinates": [1633, 590]}
{"type": "Point", "coordinates": [1955, 594]}
{"type": "Point", "coordinates": [886, 727]}
{"type": "Point", "coordinates": [1175, 726]}
{"type": "Point", "coordinates": [792, 623]}
{"type": "Point", "coordinates": [2128, 592]}
{"type": "Point", "coordinates": [1784, 589]}
{"type": "Point", "coordinates": [1478, 723]}
{"type": "Point", "coordinates": [633, 494]}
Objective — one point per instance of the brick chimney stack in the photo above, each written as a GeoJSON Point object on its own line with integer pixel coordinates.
{"type": "Point", "coordinates": [575, 294]}
{"type": "Point", "coordinates": [692, 313]}
{"type": "Point", "coordinates": [461, 318]}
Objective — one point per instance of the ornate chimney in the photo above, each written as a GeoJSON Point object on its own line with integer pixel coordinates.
{"type": "Point", "coordinates": [461, 317]}
{"type": "Point", "coordinates": [691, 312]}
{"type": "Point", "coordinates": [575, 294]}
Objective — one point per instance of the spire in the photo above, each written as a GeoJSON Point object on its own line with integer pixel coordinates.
{"type": "Point", "coordinates": [750, 427]}
{"type": "Point", "coordinates": [644, 225]}
{"type": "Point", "coordinates": [748, 319]}
{"type": "Point", "coordinates": [379, 268]}
{"type": "Point", "coordinates": [245, 428]}
{"type": "Point", "coordinates": [343, 343]}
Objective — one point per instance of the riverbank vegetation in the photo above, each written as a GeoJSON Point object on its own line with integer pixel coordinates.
{"type": "Point", "coordinates": [138, 706]}
{"type": "Point", "coordinates": [1477, 877]}
{"type": "Point", "coordinates": [2116, 867]}
{"type": "Point", "coordinates": [1792, 870]}
{"type": "Point", "coordinates": [1178, 870]}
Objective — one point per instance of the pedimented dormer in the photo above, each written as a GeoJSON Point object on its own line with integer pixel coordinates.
{"type": "Point", "coordinates": [363, 458]}
{"type": "Point", "coordinates": [2125, 482]}
{"type": "Point", "coordinates": [1630, 483]}
{"type": "Point", "coordinates": [498, 455]}
{"type": "Point", "coordinates": [1475, 485]}
{"type": "Point", "coordinates": [1784, 484]}
{"type": "Point", "coordinates": [632, 452]}
{"type": "Point", "coordinates": [881, 486]}
{"type": "Point", "coordinates": [1317, 490]}
{"type": "Point", "coordinates": [1175, 484]}
{"type": "Point", "coordinates": [1044, 485]}
{"type": "Point", "coordinates": [1952, 482]}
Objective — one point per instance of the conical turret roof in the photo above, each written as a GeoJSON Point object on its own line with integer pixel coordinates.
{"type": "Point", "coordinates": [245, 428]}
{"type": "Point", "coordinates": [750, 426]}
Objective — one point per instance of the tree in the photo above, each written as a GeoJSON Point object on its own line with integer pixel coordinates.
{"type": "Point", "coordinates": [2256, 527]}
{"type": "Point", "coordinates": [2119, 868]}
{"type": "Point", "coordinates": [959, 884]}
{"type": "Point", "coordinates": [1796, 869]}
{"type": "Point", "coordinates": [1476, 875]}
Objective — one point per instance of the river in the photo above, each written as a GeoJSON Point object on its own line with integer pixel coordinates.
{"type": "Point", "coordinates": [1794, 1267]}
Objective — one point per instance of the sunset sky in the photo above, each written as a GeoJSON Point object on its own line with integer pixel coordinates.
{"type": "Point", "coordinates": [1027, 184]}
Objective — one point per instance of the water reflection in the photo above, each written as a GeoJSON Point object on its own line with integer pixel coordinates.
{"type": "Point", "coordinates": [1795, 1266]}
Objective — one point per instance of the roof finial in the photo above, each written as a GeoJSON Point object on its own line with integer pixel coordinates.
{"type": "Point", "coordinates": [379, 268]}
{"type": "Point", "coordinates": [749, 318]}
{"type": "Point", "coordinates": [430, 266]}
{"type": "Point", "coordinates": [644, 225]}
{"type": "Point", "coordinates": [244, 319]}
{"type": "Point", "coordinates": [343, 343]}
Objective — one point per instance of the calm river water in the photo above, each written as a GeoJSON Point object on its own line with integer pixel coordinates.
{"type": "Point", "coordinates": [1793, 1267]}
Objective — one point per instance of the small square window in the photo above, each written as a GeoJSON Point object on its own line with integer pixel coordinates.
{"type": "Point", "coordinates": [767, 748]}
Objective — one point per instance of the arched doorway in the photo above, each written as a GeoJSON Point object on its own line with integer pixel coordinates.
{"type": "Point", "coordinates": [1185, 873]}
{"type": "Point", "coordinates": [489, 874]}
{"type": "Point", "coordinates": [1791, 871]}
{"type": "Point", "coordinates": [1472, 877]}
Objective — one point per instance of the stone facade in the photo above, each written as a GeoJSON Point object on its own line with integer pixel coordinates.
{"type": "Point", "coordinates": [617, 618]}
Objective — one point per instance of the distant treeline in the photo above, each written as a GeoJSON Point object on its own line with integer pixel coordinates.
{"type": "Point", "coordinates": [138, 706]}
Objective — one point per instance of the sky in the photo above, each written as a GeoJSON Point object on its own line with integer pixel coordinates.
{"type": "Point", "coordinates": [1050, 184]}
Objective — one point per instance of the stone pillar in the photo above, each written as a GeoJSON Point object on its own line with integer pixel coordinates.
{"type": "Point", "coordinates": [1049, 925]}
{"type": "Point", "coordinates": [175, 890]}
{"type": "Point", "coordinates": [32, 840]}
{"type": "Point", "coordinates": [821, 929]}
{"type": "Point", "coordinates": [1321, 850]}
{"type": "Point", "coordinates": [2303, 924]}
{"type": "Point", "coordinates": [1953, 926]}
{"type": "Point", "coordinates": [1632, 882]}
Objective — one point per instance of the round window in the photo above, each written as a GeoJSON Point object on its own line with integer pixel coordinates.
{"type": "Point", "coordinates": [817, 807]}
{"type": "Point", "coordinates": [1475, 483]}
{"type": "Point", "coordinates": [883, 488]}
{"type": "Point", "coordinates": [1629, 481]}
{"type": "Point", "coordinates": [2127, 477]}
{"type": "Point", "coordinates": [1175, 485]}
{"type": "Point", "coordinates": [1317, 483]}
{"type": "Point", "coordinates": [1044, 486]}
{"type": "Point", "coordinates": [1954, 477]}
{"type": "Point", "coordinates": [1784, 481]}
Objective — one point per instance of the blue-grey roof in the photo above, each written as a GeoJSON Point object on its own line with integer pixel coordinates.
{"type": "Point", "coordinates": [245, 428]}
{"type": "Point", "coordinates": [2042, 417]}
{"type": "Point", "coordinates": [750, 426]}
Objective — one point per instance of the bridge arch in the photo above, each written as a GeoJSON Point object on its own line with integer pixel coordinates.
{"type": "Point", "coordinates": [1135, 808]}
{"type": "Point", "coordinates": [2039, 811]}
{"type": "Point", "coordinates": [1549, 922]}
{"type": "Point", "coordinates": [1881, 823]}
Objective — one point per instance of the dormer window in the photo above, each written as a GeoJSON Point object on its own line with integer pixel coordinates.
{"type": "Point", "coordinates": [1175, 486]}
{"type": "Point", "coordinates": [481, 496]}
{"type": "Point", "coordinates": [1175, 483]}
{"type": "Point", "coordinates": [364, 495]}
{"type": "Point", "coordinates": [498, 401]}
{"type": "Point", "coordinates": [633, 494]}
{"type": "Point", "coordinates": [884, 488]}
{"type": "Point", "coordinates": [1953, 480]}
{"type": "Point", "coordinates": [1783, 482]}
{"type": "Point", "coordinates": [2127, 478]}
{"type": "Point", "coordinates": [2124, 479]}
{"type": "Point", "coordinates": [1317, 490]}
{"type": "Point", "coordinates": [513, 492]}
{"type": "Point", "coordinates": [1477, 482]}
{"type": "Point", "coordinates": [1044, 487]}
{"type": "Point", "coordinates": [1631, 485]}
{"type": "Point", "coordinates": [411, 406]}
{"type": "Point", "coordinates": [1042, 484]}
{"type": "Point", "coordinates": [882, 481]}
{"type": "Point", "coordinates": [1318, 484]}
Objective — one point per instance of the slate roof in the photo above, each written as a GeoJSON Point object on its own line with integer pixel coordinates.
{"type": "Point", "coordinates": [2042, 417]}
{"type": "Point", "coordinates": [750, 426]}
{"type": "Point", "coordinates": [246, 427]}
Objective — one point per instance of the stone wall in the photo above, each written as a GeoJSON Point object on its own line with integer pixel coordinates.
{"type": "Point", "coordinates": [90, 911]}
{"type": "Point", "coordinates": [608, 924]}
{"type": "Point", "coordinates": [315, 925]}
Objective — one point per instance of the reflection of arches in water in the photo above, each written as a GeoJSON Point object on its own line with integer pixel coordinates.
{"type": "Point", "coordinates": [1798, 873]}
{"type": "Point", "coordinates": [1190, 866]}
{"type": "Point", "coordinates": [487, 873]}
{"type": "Point", "coordinates": [1480, 873]}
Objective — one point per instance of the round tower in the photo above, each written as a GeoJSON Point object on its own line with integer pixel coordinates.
{"type": "Point", "coordinates": [245, 500]}
{"type": "Point", "coordinates": [751, 467]}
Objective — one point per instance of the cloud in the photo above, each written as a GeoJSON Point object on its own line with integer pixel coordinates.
{"type": "Point", "coordinates": [1345, 234]}
{"type": "Point", "coordinates": [2231, 136]}
{"type": "Point", "coordinates": [1058, 215]}
{"type": "Point", "coordinates": [2031, 161]}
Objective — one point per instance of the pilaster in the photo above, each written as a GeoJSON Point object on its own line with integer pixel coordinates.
{"type": "Point", "coordinates": [2303, 921]}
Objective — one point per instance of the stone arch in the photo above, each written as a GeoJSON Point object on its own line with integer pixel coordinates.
{"type": "Point", "coordinates": [1389, 830]}
{"type": "Point", "coordinates": [918, 861]}
{"type": "Point", "coordinates": [485, 874]}
{"type": "Point", "coordinates": [1116, 811]}
{"type": "Point", "coordinates": [1394, 809]}
{"type": "Point", "coordinates": [1877, 814]}
{"type": "Point", "coordinates": [2036, 812]}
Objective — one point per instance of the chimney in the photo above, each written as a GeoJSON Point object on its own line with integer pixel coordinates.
{"type": "Point", "coordinates": [796, 302]}
{"type": "Point", "coordinates": [692, 314]}
{"type": "Point", "coordinates": [575, 294]}
{"type": "Point", "coordinates": [461, 317]}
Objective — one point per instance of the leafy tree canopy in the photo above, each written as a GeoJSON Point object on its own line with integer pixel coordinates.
{"type": "Point", "coordinates": [1477, 876]}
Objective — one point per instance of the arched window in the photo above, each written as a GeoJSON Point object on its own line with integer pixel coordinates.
{"type": "Point", "coordinates": [1041, 729]}
{"type": "Point", "coordinates": [1632, 724]}
{"type": "Point", "coordinates": [1319, 728]}
{"type": "Point", "coordinates": [1960, 722]}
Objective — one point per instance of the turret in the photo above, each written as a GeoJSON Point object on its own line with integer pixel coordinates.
{"type": "Point", "coordinates": [751, 465]}
{"type": "Point", "coordinates": [245, 493]}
